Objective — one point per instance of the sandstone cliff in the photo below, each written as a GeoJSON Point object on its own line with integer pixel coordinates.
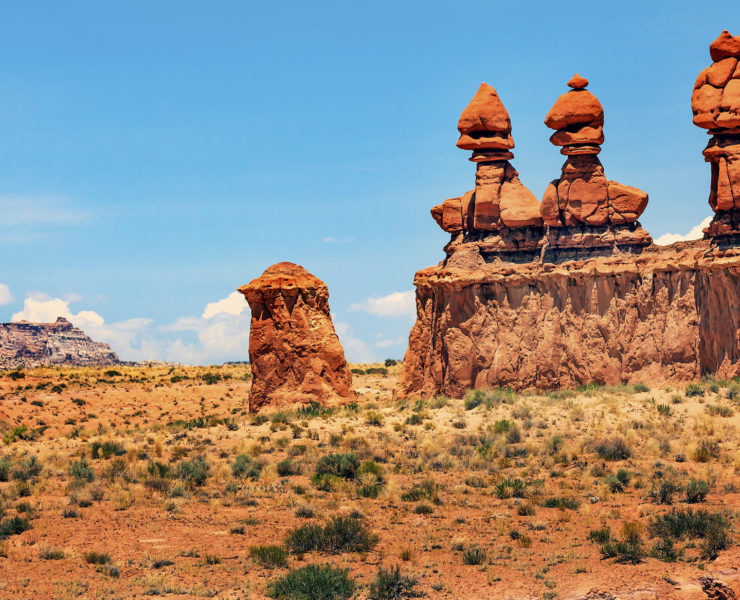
{"type": "Point", "coordinates": [28, 345]}
{"type": "Point", "coordinates": [670, 313]}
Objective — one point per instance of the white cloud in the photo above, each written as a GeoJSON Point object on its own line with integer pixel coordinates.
{"type": "Point", "coordinates": [395, 304]}
{"type": "Point", "coordinates": [389, 343]}
{"type": "Point", "coordinates": [333, 240]}
{"type": "Point", "coordinates": [233, 304]}
{"type": "Point", "coordinates": [695, 234]}
{"type": "Point", "coordinates": [5, 296]}
{"type": "Point", "coordinates": [355, 350]}
{"type": "Point", "coordinates": [30, 210]}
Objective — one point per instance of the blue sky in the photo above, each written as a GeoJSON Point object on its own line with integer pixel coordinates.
{"type": "Point", "coordinates": [156, 155]}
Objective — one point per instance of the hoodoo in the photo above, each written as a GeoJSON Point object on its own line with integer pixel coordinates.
{"type": "Point", "coordinates": [295, 353]}
{"type": "Point", "coordinates": [715, 103]}
{"type": "Point", "coordinates": [500, 211]}
{"type": "Point", "coordinates": [582, 296]}
{"type": "Point", "coordinates": [582, 208]}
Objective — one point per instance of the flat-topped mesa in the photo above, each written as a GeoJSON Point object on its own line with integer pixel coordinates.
{"type": "Point", "coordinates": [501, 211]}
{"type": "Point", "coordinates": [294, 350]}
{"type": "Point", "coordinates": [715, 103]}
{"type": "Point", "coordinates": [582, 208]}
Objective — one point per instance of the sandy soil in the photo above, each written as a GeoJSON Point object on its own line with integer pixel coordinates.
{"type": "Point", "coordinates": [168, 536]}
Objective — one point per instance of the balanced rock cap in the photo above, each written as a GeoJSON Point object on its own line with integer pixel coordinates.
{"type": "Point", "coordinates": [577, 82]}
{"type": "Point", "coordinates": [284, 276]}
{"type": "Point", "coordinates": [725, 46]}
{"type": "Point", "coordinates": [485, 122]}
{"type": "Point", "coordinates": [576, 107]}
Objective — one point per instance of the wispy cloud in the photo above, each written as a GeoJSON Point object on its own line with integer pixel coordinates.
{"type": "Point", "coordinates": [39, 210]}
{"type": "Point", "coordinates": [694, 234]}
{"type": "Point", "coordinates": [333, 240]}
{"type": "Point", "coordinates": [5, 296]}
{"type": "Point", "coordinates": [396, 304]}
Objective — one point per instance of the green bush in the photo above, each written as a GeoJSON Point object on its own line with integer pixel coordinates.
{"type": "Point", "coordinates": [313, 410]}
{"type": "Point", "coordinates": [640, 387]}
{"type": "Point", "coordinates": [313, 582]}
{"type": "Point", "coordinates": [340, 534]}
{"type": "Point", "coordinates": [245, 468]}
{"type": "Point", "coordinates": [27, 469]}
{"type": "Point", "coordinates": [106, 449]}
{"type": "Point", "coordinates": [344, 466]}
{"type": "Point", "coordinates": [696, 490]}
{"type": "Point", "coordinates": [706, 451]}
{"type": "Point", "coordinates": [510, 488]}
{"type": "Point", "coordinates": [629, 549]}
{"type": "Point", "coordinates": [269, 556]}
{"type": "Point", "coordinates": [13, 526]}
{"type": "Point", "coordinates": [426, 490]}
{"type": "Point", "coordinates": [561, 502]}
{"type": "Point", "coordinates": [474, 556]}
{"type": "Point", "coordinates": [600, 536]}
{"type": "Point", "coordinates": [285, 468]}
{"type": "Point", "coordinates": [96, 558]}
{"type": "Point", "coordinates": [694, 389]}
{"type": "Point", "coordinates": [390, 584]}
{"type": "Point", "coordinates": [81, 471]}
{"type": "Point", "coordinates": [613, 449]}
{"type": "Point", "coordinates": [193, 472]}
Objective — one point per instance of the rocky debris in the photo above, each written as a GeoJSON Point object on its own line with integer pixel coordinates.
{"type": "Point", "coordinates": [295, 353]}
{"type": "Point", "coordinates": [583, 195]}
{"type": "Point", "coordinates": [714, 589]}
{"type": "Point", "coordinates": [715, 103]}
{"type": "Point", "coordinates": [667, 314]}
{"type": "Point", "coordinates": [29, 345]}
{"type": "Point", "coordinates": [500, 201]}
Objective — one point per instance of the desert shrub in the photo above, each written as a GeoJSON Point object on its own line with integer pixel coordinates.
{"type": "Point", "coordinates": [613, 449]}
{"type": "Point", "coordinates": [426, 490]}
{"type": "Point", "coordinates": [106, 449]}
{"type": "Point", "coordinates": [5, 466]}
{"type": "Point", "coordinates": [304, 512]}
{"type": "Point", "coordinates": [694, 389]}
{"type": "Point", "coordinates": [390, 584]}
{"type": "Point", "coordinates": [561, 502]}
{"type": "Point", "coordinates": [344, 466]}
{"type": "Point", "coordinates": [640, 387]}
{"type": "Point", "coordinates": [340, 534]}
{"type": "Point", "coordinates": [438, 401]}
{"type": "Point", "coordinates": [474, 556]}
{"type": "Point", "coordinates": [664, 490]}
{"type": "Point", "coordinates": [13, 526]}
{"type": "Point", "coordinates": [313, 582]}
{"type": "Point", "coordinates": [664, 549]}
{"type": "Point", "coordinates": [269, 556]}
{"type": "Point", "coordinates": [696, 490]}
{"type": "Point", "coordinates": [664, 410]}
{"type": "Point", "coordinates": [390, 362]}
{"type": "Point", "coordinates": [211, 378]}
{"type": "Point", "coordinates": [719, 411]}
{"type": "Point", "coordinates": [81, 471]}
{"type": "Point", "coordinates": [554, 444]}
{"type": "Point", "coordinates": [94, 557]}
{"type": "Point", "coordinates": [27, 469]}
{"type": "Point", "coordinates": [687, 523]}
{"type": "Point", "coordinates": [51, 554]}
{"type": "Point", "coordinates": [630, 548]}
{"type": "Point", "coordinates": [16, 375]}
{"type": "Point", "coordinates": [356, 371]}
{"type": "Point", "coordinates": [706, 451]}
{"type": "Point", "coordinates": [376, 371]}
{"type": "Point", "coordinates": [423, 508]}
{"type": "Point", "coordinates": [193, 472]}
{"type": "Point", "coordinates": [488, 398]}
{"type": "Point", "coordinates": [600, 536]}
{"type": "Point", "coordinates": [244, 467]}
{"type": "Point", "coordinates": [510, 488]}
{"type": "Point", "coordinates": [285, 468]}
{"type": "Point", "coordinates": [313, 410]}
{"type": "Point", "coordinates": [526, 509]}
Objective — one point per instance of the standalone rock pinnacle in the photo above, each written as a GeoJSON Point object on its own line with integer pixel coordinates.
{"type": "Point", "coordinates": [295, 353]}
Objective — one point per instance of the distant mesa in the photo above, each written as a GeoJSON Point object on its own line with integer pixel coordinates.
{"type": "Point", "coordinates": [715, 103]}
{"type": "Point", "coordinates": [294, 350]}
{"type": "Point", "coordinates": [29, 345]}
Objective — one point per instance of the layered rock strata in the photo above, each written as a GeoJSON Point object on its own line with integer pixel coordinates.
{"type": "Point", "coordinates": [29, 345]}
{"type": "Point", "coordinates": [582, 208]}
{"type": "Point", "coordinates": [500, 209]}
{"type": "Point", "coordinates": [715, 104]}
{"type": "Point", "coordinates": [668, 314]}
{"type": "Point", "coordinates": [295, 353]}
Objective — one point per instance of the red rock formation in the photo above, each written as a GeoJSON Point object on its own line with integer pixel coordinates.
{"type": "Point", "coordinates": [715, 103]}
{"type": "Point", "coordinates": [500, 203]}
{"type": "Point", "coordinates": [295, 353]}
{"type": "Point", "coordinates": [715, 589]}
{"type": "Point", "coordinates": [29, 345]}
{"type": "Point", "coordinates": [667, 314]}
{"type": "Point", "coordinates": [583, 200]}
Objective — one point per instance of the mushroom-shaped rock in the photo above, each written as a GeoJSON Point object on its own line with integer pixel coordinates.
{"type": "Point", "coordinates": [294, 350]}
{"type": "Point", "coordinates": [485, 123]}
{"type": "Point", "coordinates": [578, 118]}
{"type": "Point", "coordinates": [715, 104]}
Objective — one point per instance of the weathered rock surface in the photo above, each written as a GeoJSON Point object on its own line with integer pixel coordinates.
{"type": "Point", "coordinates": [667, 314]}
{"type": "Point", "coordinates": [500, 203]}
{"type": "Point", "coordinates": [583, 195]}
{"type": "Point", "coordinates": [295, 353]}
{"type": "Point", "coordinates": [715, 103]}
{"type": "Point", "coordinates": [29, 345]}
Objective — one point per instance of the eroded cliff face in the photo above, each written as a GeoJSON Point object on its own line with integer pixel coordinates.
{"type": "Point", "coordinates": [28, 345]}
{"type": "Point", "coordinates": [668, 314]}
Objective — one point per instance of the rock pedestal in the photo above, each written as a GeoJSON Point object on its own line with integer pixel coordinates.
{"type": "Point", "coordinates": [501, 210]}
{"type": "Point", "coordinates": [715, 103]}
{"type": "Point", "coordinates": [583, 209]}
{"type": "Point", "coordinates": [295, 353]}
